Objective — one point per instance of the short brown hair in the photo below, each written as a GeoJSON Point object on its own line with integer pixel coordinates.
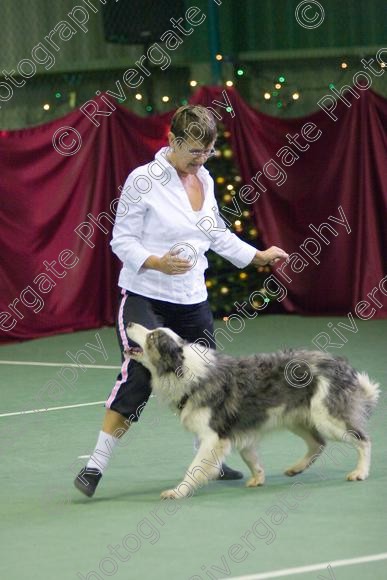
{"type": "Point", "coordinates": [196, 122]}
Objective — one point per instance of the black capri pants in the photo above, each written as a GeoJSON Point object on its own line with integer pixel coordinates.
{"type": "Point", "coordinates": [132, 388]}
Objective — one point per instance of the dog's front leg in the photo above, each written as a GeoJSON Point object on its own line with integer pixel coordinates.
{"type": "Point", "coordinates": [250, 457]}
{"type": "Point", "coordinates": [206, 465]}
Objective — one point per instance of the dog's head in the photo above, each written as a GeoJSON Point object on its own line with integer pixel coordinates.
{"type": "Point", "coordinates": [160, 349]}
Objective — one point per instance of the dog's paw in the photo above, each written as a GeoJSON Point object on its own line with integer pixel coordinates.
{"type": "Point", "coordinates": [357, 475]}
{"type": "Point", "coordinates": [297, 468]}
{"type": "Point", "coordinates": [170, 494]}
{"type": "Point", "coordinates": [256, 481]}
{"type": "Point", "coordinates": [292, 471]}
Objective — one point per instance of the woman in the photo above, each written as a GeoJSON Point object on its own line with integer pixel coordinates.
{"type": "Point", "coordinates": [161, 214]}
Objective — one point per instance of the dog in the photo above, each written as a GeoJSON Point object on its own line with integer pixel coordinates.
{"type": "Point", "coordinates": [233, 401]}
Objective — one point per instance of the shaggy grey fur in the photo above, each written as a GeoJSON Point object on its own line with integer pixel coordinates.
{"type": "Point", "coordinates": [241, 391]}
{"type": "Point", "coordinates": [234, 400]}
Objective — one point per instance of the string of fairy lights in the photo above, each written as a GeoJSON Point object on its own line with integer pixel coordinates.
{"type": "Point", "coordinates": [279, 91]}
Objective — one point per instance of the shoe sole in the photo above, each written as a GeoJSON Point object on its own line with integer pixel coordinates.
{"type": "Point", "coordinates": [83, 489]}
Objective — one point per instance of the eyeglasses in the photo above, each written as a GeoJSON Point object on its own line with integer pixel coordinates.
{"type": "Point", "coordinates": [202, 152]}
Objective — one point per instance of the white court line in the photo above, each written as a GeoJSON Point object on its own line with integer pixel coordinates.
{"type": "Point", "coordinates": [47, 364]}
{"type": "Point", "coordinates": [51, 409]}
{"type": "Point", "coordinates": [83, 456]}
{"type": "Point", "coordinates": [313, 567]}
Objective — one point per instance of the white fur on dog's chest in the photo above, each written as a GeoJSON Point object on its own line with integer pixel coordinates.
{"type": "Point", "coordinates": [195, 420]}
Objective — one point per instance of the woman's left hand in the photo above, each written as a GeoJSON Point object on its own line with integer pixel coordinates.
{"type": "Point", "coordinates": [269, 256]}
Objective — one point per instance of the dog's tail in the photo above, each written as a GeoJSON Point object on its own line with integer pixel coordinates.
{"type": "Point", "coordinates": [370, 390]}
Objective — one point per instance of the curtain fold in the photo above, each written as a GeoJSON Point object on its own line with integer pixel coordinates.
{"type": "Point", "coordinates": [338, 173]}
{"type": "Point", "coordinates": [57, 270]}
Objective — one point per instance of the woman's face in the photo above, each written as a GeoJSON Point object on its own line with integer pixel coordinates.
{"type": "Point", "coordinates": [188, 156]}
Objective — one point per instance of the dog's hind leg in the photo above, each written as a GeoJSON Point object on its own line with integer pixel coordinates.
{"type": "Point", "coordinates": [358, 439]}
{"type": "Point", "coordinates": [315, 443]}
{"type": "Point", "coordinates": [363, 448]}
{"type": "Point", "coordinates": [206, 465]}
{"type": "Point", "coordinates": [250, 457]}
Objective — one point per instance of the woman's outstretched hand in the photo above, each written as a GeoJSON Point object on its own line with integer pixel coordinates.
{"type": "Point", "coordinates": [269, 256]}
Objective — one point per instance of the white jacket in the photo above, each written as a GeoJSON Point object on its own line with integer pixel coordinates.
{"type": "Point", "coordinates": [153, 215]}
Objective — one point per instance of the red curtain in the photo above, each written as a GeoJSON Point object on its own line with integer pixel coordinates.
{"type": "Point", "coordinates": [343, 165]}
{"type": "Point", "coordinates": [57, 269]}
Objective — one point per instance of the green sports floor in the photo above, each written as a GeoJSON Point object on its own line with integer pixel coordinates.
{"type": "Point", "coordinates": [314, 526]}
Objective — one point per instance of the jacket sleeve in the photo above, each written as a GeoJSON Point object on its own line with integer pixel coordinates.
{"type": "Point", "coordinates": [128, 229]}
{"type": "Point", "coordinates": [228, 245]}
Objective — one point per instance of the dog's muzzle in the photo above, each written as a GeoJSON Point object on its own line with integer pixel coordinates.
{"type": "Point", "coordinates": [138, 339]}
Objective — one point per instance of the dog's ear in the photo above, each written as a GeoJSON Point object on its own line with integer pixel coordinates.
{"type": "Point", "coordinates": [171, 354]}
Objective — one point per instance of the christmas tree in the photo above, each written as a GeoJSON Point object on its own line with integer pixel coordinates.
{"type": "Point", "coordinates": [226, 283]}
